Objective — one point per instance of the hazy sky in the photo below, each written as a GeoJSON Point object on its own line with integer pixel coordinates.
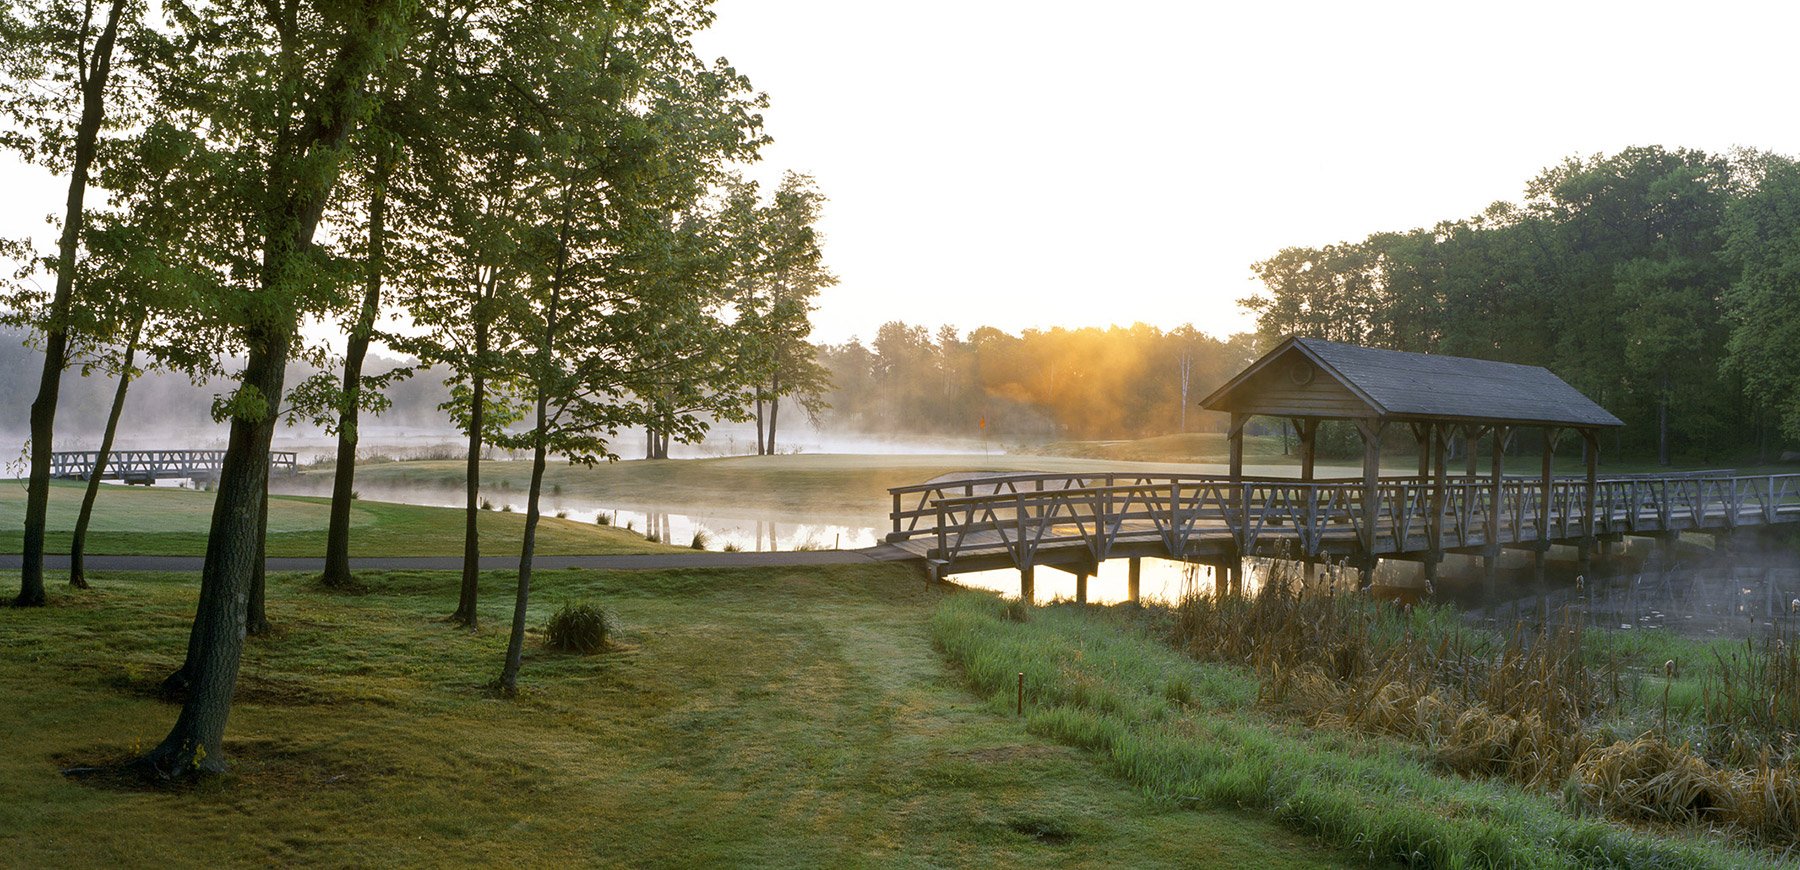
{"type": "Point", "coordinates": [1023, 164]}
{"type": "Point", "coordinates": [1051, 163]}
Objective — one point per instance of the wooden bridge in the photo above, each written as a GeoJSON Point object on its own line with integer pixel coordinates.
{"type": "Point", "coordinates": [148, 466]}
{"type": "Point", "coordinates": [1074, 522]}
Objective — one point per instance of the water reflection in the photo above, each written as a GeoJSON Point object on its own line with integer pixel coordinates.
{"type": "Point", "coordinates": [1689, 590]}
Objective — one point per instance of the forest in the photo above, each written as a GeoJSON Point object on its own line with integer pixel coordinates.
{"type": "Point", "coordinates": [1664, 283]}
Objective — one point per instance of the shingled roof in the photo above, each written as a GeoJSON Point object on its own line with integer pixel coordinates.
{"type": "Point", "coordinates": [1417, 386]}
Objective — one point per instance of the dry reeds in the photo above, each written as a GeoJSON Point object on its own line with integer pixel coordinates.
{"type": "Point", "coordinates": [1527, 709]}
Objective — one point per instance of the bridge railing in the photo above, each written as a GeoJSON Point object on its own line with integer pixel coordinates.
{"type": "Point", "coordinates": [150, 465]}
{"type": "Point", "coordinates": [1095, 511]}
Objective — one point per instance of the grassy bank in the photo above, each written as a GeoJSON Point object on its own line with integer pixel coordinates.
{"type": "Point", "coordinates": [1192, 733]}
{"type": "Point", "coordinates": [164, 521]}
{"type": "Point", "coordinates": [748, 718]}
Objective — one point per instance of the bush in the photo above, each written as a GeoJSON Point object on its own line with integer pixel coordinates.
{"type": "Point", "coordinates": [562, 515]}
{"type": "Point", "coordinates": [487, 505]}
{"type": "Point", "coordinates": [699, 542]}
{"type": "Point", "coordinates": [603, 518]}
{"type": "Point", "coordinates": [579, 628]}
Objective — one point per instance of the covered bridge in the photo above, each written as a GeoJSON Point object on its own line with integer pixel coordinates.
{"type": "Point", "coordinates": [1309, 380]}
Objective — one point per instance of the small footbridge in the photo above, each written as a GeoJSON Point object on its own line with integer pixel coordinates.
{"type": "Point", "coordinates": [1075, 521]}
{"type": "Point", "coordinates": [1479, 409]}
{"type": "Point", "coordinates": [148, 466]}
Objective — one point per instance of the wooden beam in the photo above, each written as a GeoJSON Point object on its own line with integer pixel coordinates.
{"type": "Point", "coordinates": [1547, 485]}
{"type": "Point", "coordinates": [1133, 583]}
{"type": "Point", "coordinates": [1422, 435]}
{"type": "Point", "coordinates": [1496, 491]}
{"type": "Point", "coordinates": [1592, 439]}
{"type": "Point", "coordinates": [1472, 458]}
{"type": "Point", "coordinates": [1440, 478]}
{"type": "Point", "coordinates": [1309, 433]}
{"type": "Point", "coordinates": [1236, 437]}
{"type": "Point", "coordinates": [1370, 430]}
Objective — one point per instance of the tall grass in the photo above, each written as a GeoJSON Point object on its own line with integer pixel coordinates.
{"type": "Point", "coordinates": [1193, 733]}
{"type": "Point", "coordinates": [1540, 707]}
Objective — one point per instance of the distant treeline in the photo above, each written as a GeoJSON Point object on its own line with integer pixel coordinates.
{"type": "Point", "coordinates": [1060, 383]}
{"type": "Point", "coordinates": [1663, 283]}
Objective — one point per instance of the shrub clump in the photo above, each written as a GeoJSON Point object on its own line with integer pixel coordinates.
{"type": "Point", "coordinates": [579, 628]}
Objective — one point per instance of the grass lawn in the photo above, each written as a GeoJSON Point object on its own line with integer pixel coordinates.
{"type": "Point", "coordinates": [748, 718]}
{"type": "Point", "coordinates": [163, 521]}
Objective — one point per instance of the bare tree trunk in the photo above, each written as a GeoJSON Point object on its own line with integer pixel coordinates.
{"type": "Point", "coordinates": [56, 336]}
{"type": "Point", "coordinates": [337, 537]}
{"type": "Point", "coordinates": [515, 645]}
{"type": "Point", "coordinates": [466, 614]}
{"type": "Point", "coordinates": [761, 447]}
{"type": "Point", "coordinates": [78, 545]}
{"type": "Point", "coordinates": [774, 408]}
{"type": "Point", "coordinates": [256, 617]}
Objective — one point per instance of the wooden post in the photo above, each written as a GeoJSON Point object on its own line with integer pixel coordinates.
{"type": "Point", "coordinates": [1027, 585]}
{"type": "Point", "coordinates": [1309, 431]}
{"type": "Point", "coordinates": [1237, 445]}
{"type": "Point", "coordinates": [1434, 551]}
{"type": "Point", "coordinates": [1081, 578]}
{"type": "Point", "coordinates": [1472, 458]}
{"type": "Point", "coordinates": [1422, 434]}
{"type": "Point", "coordinates": [1132, 584]}
{"type": "Point", "coordinates": [1236, 511]}
{"type": "Point", "coordinates": [1548, 484]}
{"type": "Point", "coordinates": [1496, 497]}
{"type": "Point", "coordinates": [1592, 443]}
{"type": "Point", "coordinates": [1370, 430]}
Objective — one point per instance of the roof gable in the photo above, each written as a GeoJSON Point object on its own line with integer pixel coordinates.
{"type": "Point", "coordinates": [1398, 384]}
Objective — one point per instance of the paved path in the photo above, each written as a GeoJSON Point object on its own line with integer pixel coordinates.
{"type": "Point", "coordinates": [636, 561]}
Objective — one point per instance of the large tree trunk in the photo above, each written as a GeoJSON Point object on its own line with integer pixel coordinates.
{"type": "Point", "coordinates": [337, 538]}
{"type": "Point", "coordinates": [256, 617]}
{"type": "Point", "coordinates": [301, 174]}
{"type": "Point", "coordinates": [78, 545]}
{"type": "Point", "coordinates": [466, 614]}
{"type": "Point", "coordinates": [56, 337]}
{"type": "Point", "coordinates": [209, 676]}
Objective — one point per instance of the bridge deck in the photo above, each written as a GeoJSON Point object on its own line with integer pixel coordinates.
{"type": "Point", "coordinates": [1023, 520]}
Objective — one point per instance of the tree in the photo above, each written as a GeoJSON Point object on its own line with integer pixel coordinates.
{"type": "Point", "coordinates": [780, 273]}
{"type": "Point", "coordinates": [634, 128]}
{"type": "Point", "coordinates": [1763, 242]}
{"type": "Point", "coordinates": [287, 84]}
{"type": "Point", "coordinates": [56, 44]}
{"type": "Point", "coordinates": [145, 286]}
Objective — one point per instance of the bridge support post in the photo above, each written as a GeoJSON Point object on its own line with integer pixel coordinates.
{"type": "Point", "coordinates": [1027, 585]}
{"type": "Point", "coordinates": [1134, 582]}
{"type": "Point", "coordinates": [1081, 579]}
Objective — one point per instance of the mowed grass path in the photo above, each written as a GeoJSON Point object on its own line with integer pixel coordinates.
{"type": "Point", "coordinates": [750, 718]}
{"type": "Point", "coordinates": [163, 521]}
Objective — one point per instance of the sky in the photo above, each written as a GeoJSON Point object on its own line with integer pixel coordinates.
{"type": "Point", "coordinates": [1035, 164]}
